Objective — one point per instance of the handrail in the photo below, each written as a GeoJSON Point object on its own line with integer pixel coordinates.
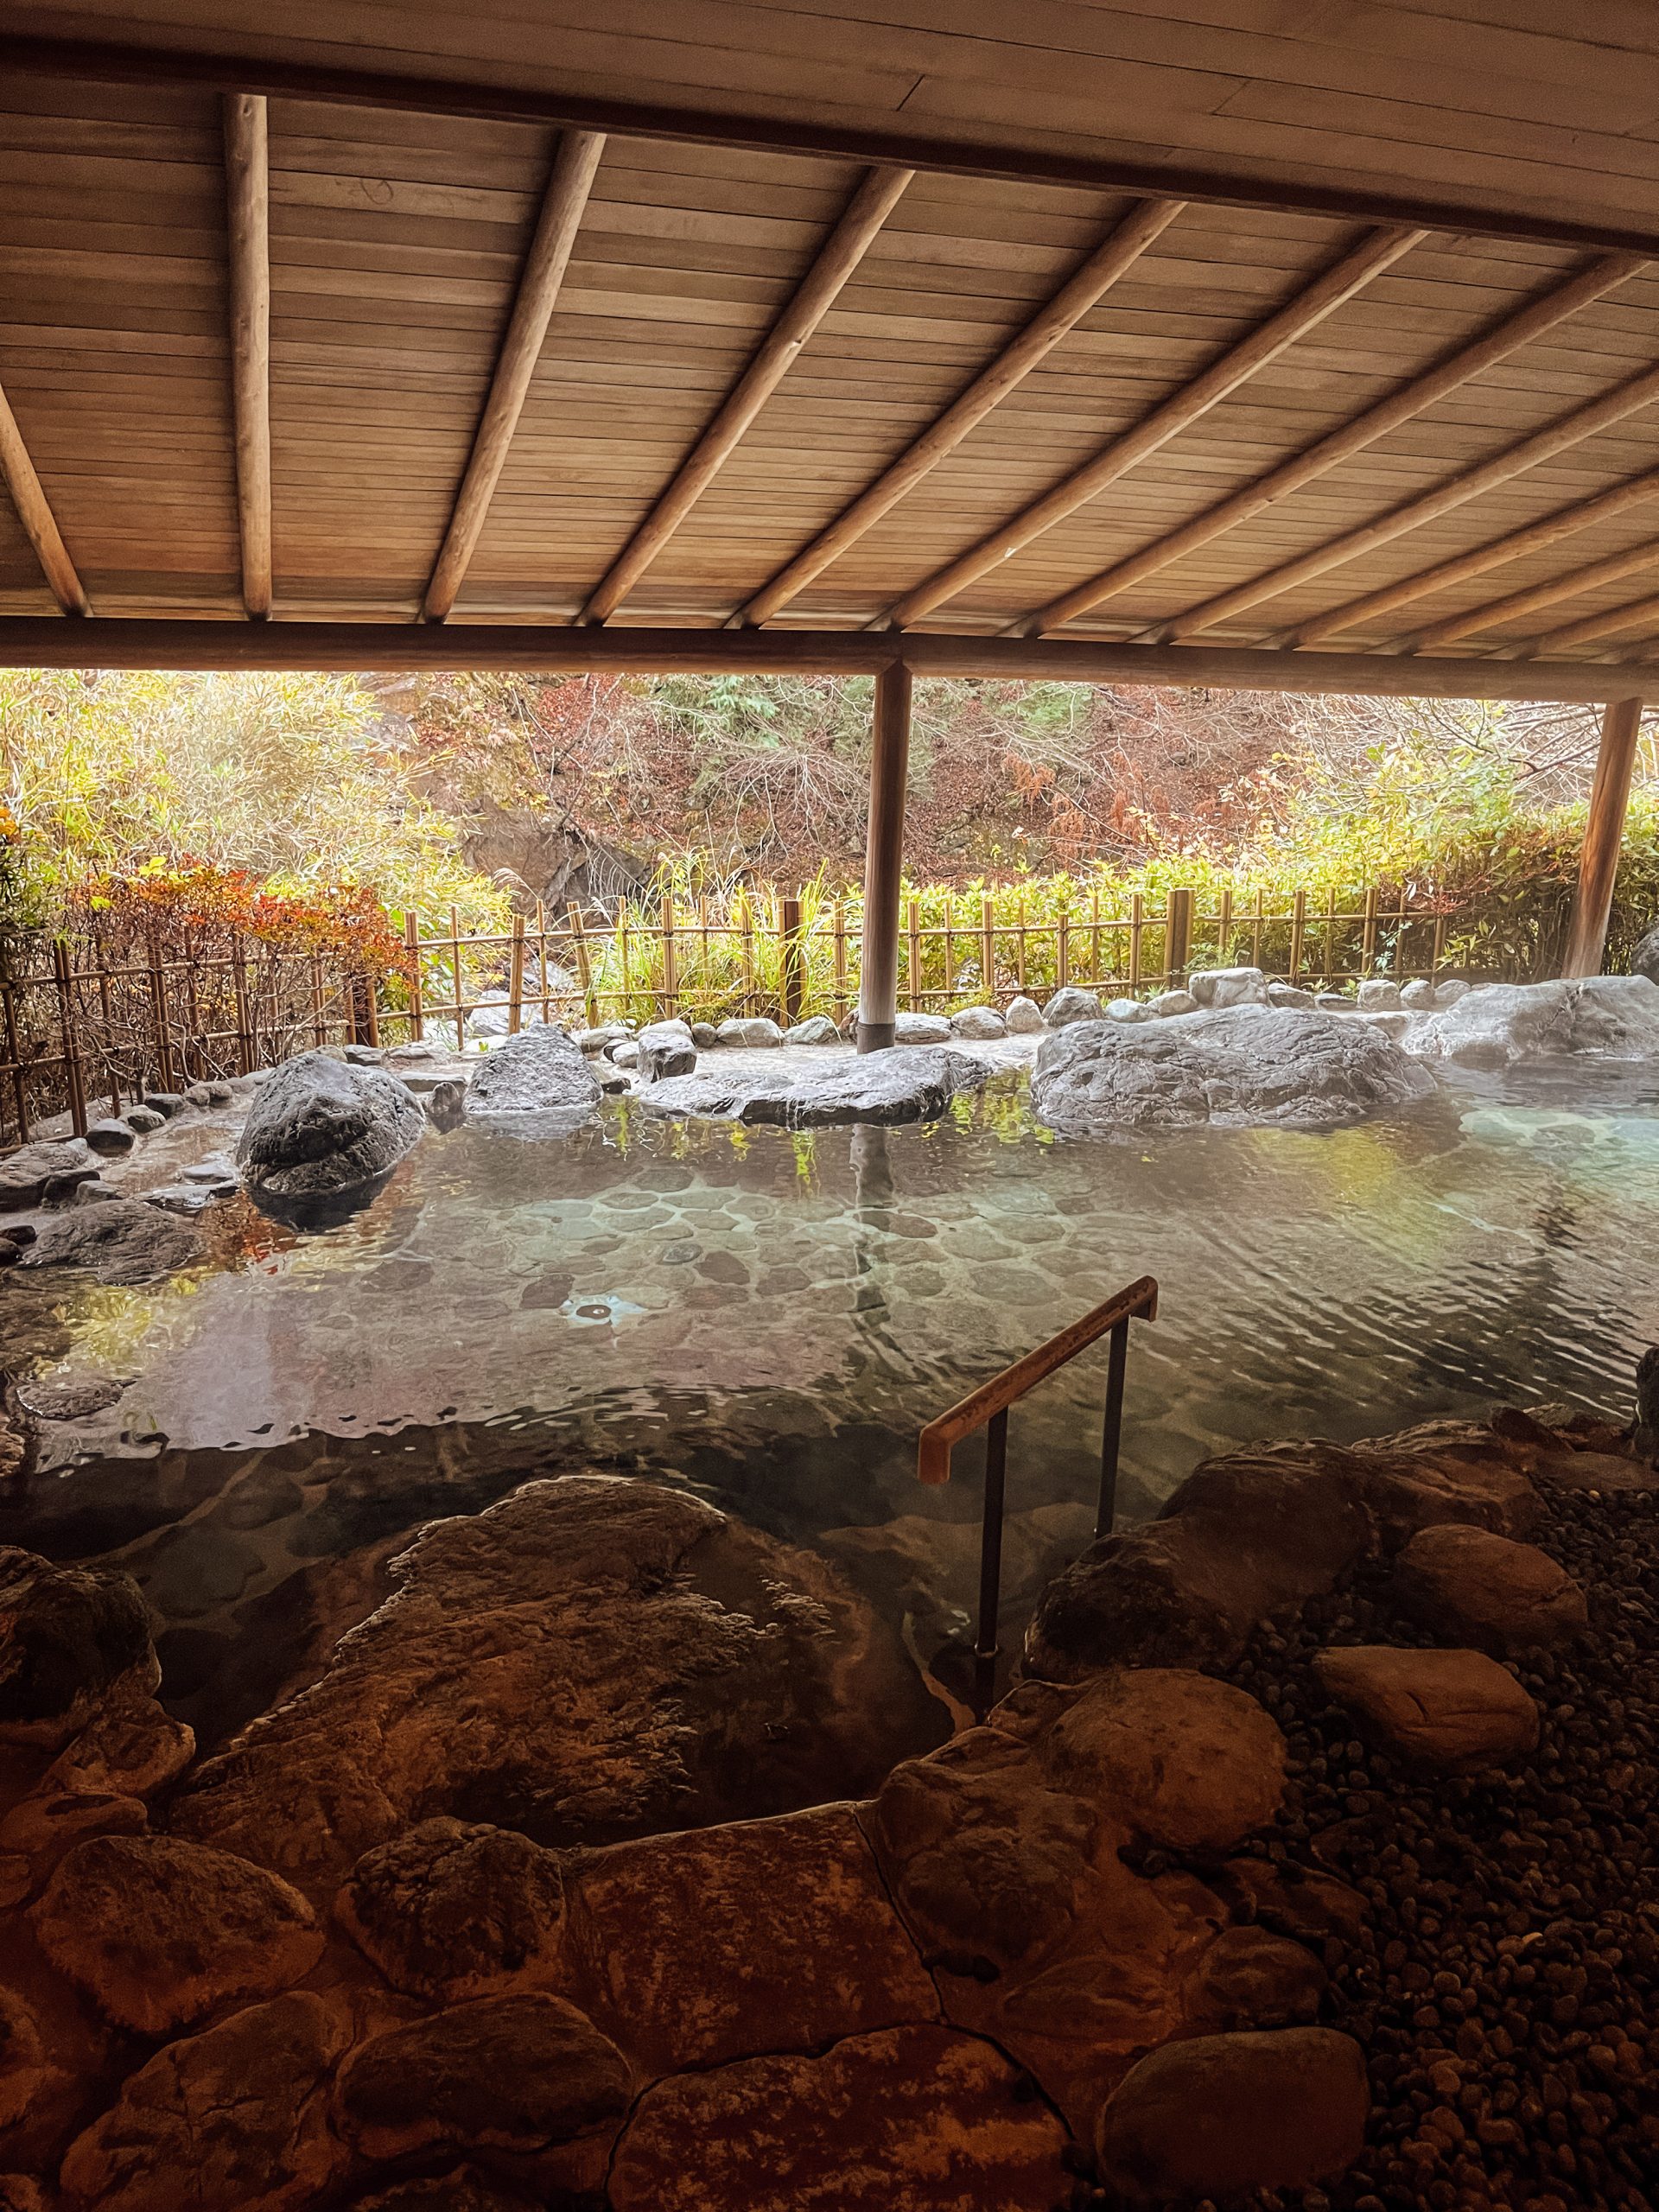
{"type": "Point", "coordinates": [987, 1408]}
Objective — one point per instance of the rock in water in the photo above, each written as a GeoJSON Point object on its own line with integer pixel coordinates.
{"type": "Point", "coordinates": [123, 1241]}
{"type": "Point", "coordinates": [1223, 2116]}
{"type": "Point", "coordinates": [591, 1658]}
{"type": "Point", "coordinates": [541, 1071]}
{"type": "Point", "coordinates": [1239, 1066]}
{"type": "Point", "coordinates": [665, 1048]}
{"type": "Point", "coordinates": [73, 1639]}
{"type": "Point", "coordinates": [318, 1127]}
{"type": "Point", "coordinates": [908, 1083]}
{"type": "Point", "coordinates": [26, 1176]}
{"type": "Point", "coordinates": [1613, 1017]}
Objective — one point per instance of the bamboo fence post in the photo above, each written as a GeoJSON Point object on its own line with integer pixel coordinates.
{"type": "Point", "coordinates": [840, 927]}
{"type": "Point", "coordinates": [704, 962]}
{"type": "Point", "coordinates": [670, 966]}
{"type": "Point", "coordinates": [516, 977]}
{"type": "Point", "coordinates": [1331, 938]}
{"type": "Point", "coordinates": [158, 1000]}
{"type": "Point", "coordinates": [1437, 952]}
{"type": "Point", "coordinates": [1298, 930]}
{"type": "Point", "coordinates": [988, 945]}
{"type": "Point", "coordinates": [745, 922]}
{"type": "Point", "coordinates": [72, 1068]}
{"type": "Point", "coordinates": [1224, 926]}
{"type": "Point", "coordinates": [584, 963]}
{"type": "Point", "coordinates": [1368, 936]}
{"type": "Point", "coordinates": [622, 951]}
{"type": "Point", "coordinates": [455, 966]}
{"type": "Point", "coordinates": [541, 959]}
{"type": "Point", "coordinates": [101, 966]}
{"type": "Point", "coordinates": [192, 1048]}
{"type": "Point", "coordinates": [15, 1056]}
{"type": "Point", "coordinates": [1020, 943]}
{"type": "Point", "coordinates": [1256, 927]}
{"type": "Point", "coordinates": [1177, 936]}
{"type": "Point", "coordinates": [416, 1010]}
{"type": "Point", "coordinates": [1094, 936]}
{"type": "Point", "coordinates": [1062, 950]}
{"type": "Point", "coordinates": [949, 946]}
{"type": "Point", "coordinates": [244, 1024]}
{"type": "Point", "coordinates": [913, 952]}
{"type": "Point", "coordinates": [1137, 923]}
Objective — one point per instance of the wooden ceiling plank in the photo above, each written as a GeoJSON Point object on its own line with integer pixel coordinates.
{"type": "Point", "coordinates": [1081, 291]}
{"type": "Point", "coordinates": [1374, 252]}
{"type": "Point", "coordinates": [247, 175]}
{"type": "Point", "coordinates": [35, 513]}
{"type": "Point", "coordinates": [1587, 630]}
{"type": "Point", "coordinates": [1613, 569]}
{"type": "Point", "coordinates": [575, 165]}
{"type": "Point", "coordinates": [870, 203]}
{"type": "Point", "coordinates": [1337, 446]}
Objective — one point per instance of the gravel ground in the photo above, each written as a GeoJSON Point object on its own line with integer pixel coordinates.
{"type": "Point", "coordinates": [1507, 1995]}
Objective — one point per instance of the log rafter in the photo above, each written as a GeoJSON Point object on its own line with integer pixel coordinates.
{"type": "Point", "coordinates": [574, 164]}
{"type": "Point", "coordinates": [1435, 384]}
{"type": "Point", "coordinates": [35, 513]}
{"type": "Point", "coordinates": [1375, 251]}
{"type": "Point", "coordinates": [1055, 320]}
{"type": "Point", "coordinates": [877, 195]}
{"type": "Point", "coordinates": [247, 175]}
{"type": "Point", "coordinates": [1613, 569]}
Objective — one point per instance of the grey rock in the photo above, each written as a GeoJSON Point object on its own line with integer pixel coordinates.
{"type": "Point", "coordinates": [1234, 1065]}
{"type": "Point", "coordinates": [319, 1129]}
{"type": "Point", "coordinates": [611, 1081]}
{"type": "Point", "coordinates": [1128, 1010]}
{"type": "Point", "coordinates": [168, 1103]}
{"type": "Point", "coordinates": [921, 1029]}
{"type": "Point", "coordinates": [1606, 1017]}
{"type": "Point", "coordinates": [817, 1029]}
{"type": "Point", "coordinates": [980, 1024]}
{"type": "Point", "coordinates": [1418, 995]}
{"type": "Point", "coordinates": [1645, 955]}
{"type": "Point", "coordinates": [1291, 995]}
{"type": "Point", "coordinates": [217, 1168]}
{"type": "Point", "coordinates": [753, 1030]}
{"type": "Point", "coordinates": [413, 1051]}
{"type": "Point", "coordinates": [625, 1055]}
{"type": "Point", "coordinates": [595, 1041]}
{"type": "Point", "coordinates": [110, 1137]}
{"type": "Point", "coordinates": [186, 1198]}
{"type": "Point", "coordinates": [72, 1400]}
{"type": "Point", "coordinates": [1225, 987]}
{"type": "Point", "coordinates": [1450, 989]}
{"type": "Point", "coordinates": [94, 1194]}
{"type": "Point", "coordinates": [1334, 1002]}
{"type": "Point", "coordinates": [446, 1103]}
{"type": "Point", "coordinates": [1165, 1003]}
{"type": "Point", "coordinates": [124, 1242]}
{"type": "Point", "coordinates": [144, 1120]}
{"type": "Point", "coordinates": [365, 1056]}
{"type": "Point", "coordinates": [1071, 1004]}
{"type": "Point", "coordinates": [489, 1018]}
{"type": "Point", "coordinates": [909, 1083]}
{"type": "Point", "coordinates": [1377, 995]}
{"type": "Point", "coordinates": [219, 1093]}
{"type": "Point", "coordinates": [197, 1094]}
{"type": "Point", "coordinates": [1393, 1022]}
{"type": "Point", "coordinates": [705, 1036]}
{"type": "Point", "coordinates": [26, 1176]}
{"type": "Point", "coordinates": [1024, 1018]}
{"type": "Point", "coordinates": [20, 1233]}
{"type": "Point", "coordinates": [665, 1048]}
{"type": "Point", "coordinates": [540, 1071]}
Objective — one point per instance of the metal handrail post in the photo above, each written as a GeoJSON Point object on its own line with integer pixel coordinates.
{"type": "Point", "coordinates": [1112, 1432]}
{"type": "Point", "coordinates": [991, 1554]}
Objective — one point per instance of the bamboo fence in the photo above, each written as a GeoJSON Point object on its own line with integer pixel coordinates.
{"type": "Point", "coordinates": [82, 1034]}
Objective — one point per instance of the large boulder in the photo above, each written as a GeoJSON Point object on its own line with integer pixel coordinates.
{"type": "Point", "coordinates": [73, 1639]}
{"type": "Point", "coordinates": [1244, 1064]}
{"type": "Point", "coordinates": [907, 2120]}
{"type": "Point", "coordinates": [38, 1171]}
{"type": "Point", "coordinates": [123, 1241]}
{"type": "Point", "coordinates": [541, 1072]}
{"type": "Point", "coordinates": [1455, 1711]}
{"type": "Point", "coordinates": [908, 1083]}
{"type": "Point", "coordinates": [1472, 1586]}
{"type": "Point", "coordinates": [157, 1931]}
{"type": "Point", "coordinates": [319, 1129]}
{"type": "Point", "coordinates": [1223, 2116]}
{"type": "Point", "coordinates": [232, 2117]}
{"type": "Point", "coordinates": [592, 1658]}
{"type": "Point", "coordinates": [1605, 1017]}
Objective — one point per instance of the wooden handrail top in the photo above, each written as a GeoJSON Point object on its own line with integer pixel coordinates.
{"type": "Point", "coordinates": [938, 1439]}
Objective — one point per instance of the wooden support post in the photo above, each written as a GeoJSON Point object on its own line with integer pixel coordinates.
{"type": "Point", "coordinates": [247, 171]}
{"type": "Point", "coordinates": [1610, 795]}
{"type": "Point", "coordinates": [1178, 938]}
{"type": "Point", "coordinates": [794, 958]}
{"type": "Point", "coordinates": [884, 861]}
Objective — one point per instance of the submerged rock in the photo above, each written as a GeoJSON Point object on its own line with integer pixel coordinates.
{"type": "Point", "coordinates": [541, 1071]}
{"type": "Point", "coordinates": [592, 1658]}
{"type": "Point", "coordinates": [73, 1639]}
{"type": "Point", "coordinates": [908, 1083]}
{"type": "Point", "coordinates": [1243, 1064]}
{"type": "Point", "coordinates": [1613, 1017]}
{"type": "Point", "coordinates": [318, 1128]}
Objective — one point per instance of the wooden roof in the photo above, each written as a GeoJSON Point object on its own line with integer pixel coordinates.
{"type": "Point", "coordinates": [1224, 331]}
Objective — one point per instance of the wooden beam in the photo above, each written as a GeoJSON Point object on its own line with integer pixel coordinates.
{"type": "Point", "coordinates": [912, 145]}
{"type": "Point", "coordinates": [572, 178]}
{"type": "Point", "coordinates": [1611, 570]}
{"type": "Point", "coordinates": [1082, 290]}
{"type": "Point", "coordinates": [1379, 251]}
{"type": "Point", "coordinates": [1326, 453]}
{"type": "Point", "coordinates": [35, 513]}
{"type": "Point", "coordinates": [47, 641]}
{"type": "Point", "coordinates": [884, 862]}
{"type": "Point", "coordinates": [1604, 836]}
{"type": "Point", "coordinates": [1589, 628]}
{"type": "Point", "coordinates": [839, 256]}
{"type": "Point", "coordinates": [247, 175]}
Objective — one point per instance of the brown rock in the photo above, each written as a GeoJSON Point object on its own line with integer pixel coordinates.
{"type": "Point", "coordinates": [131, 1749]}
{"type": "Point", "coordinates": [1604, 1470]}
{"type": "Point", "coordinates": [1454, 1472]}
{"type": "Point", "coordinates": [1222, 2116]}
{"type": "Point", "coordinates": [449, 1911]}
{"type": "Point", "coordinates": [466, 2189]}
{"type": "Point", "coordinates": [71, 1639]}
{"type": "Point", "coordinates": [24, 2063]}
{"type": "Point", "coordinates": [592, 1658]}
{"type": "Point", "coordinates": [515, 2073]}
{"type": "Point", "coordinates": [1180, 1758]}
{"type": "Point", "coordinates": [157, 1931]}
{"type": "Point", "coordinates": [910, 2119]}
{"type": "Point", "coordinates": [231, 2120]}
{"type": "Point", "coordinates": [52, 1821]}
{"type": "Point", "coordinates": [1458, 1711]}
{"type": "Point", "coordinates": [1250, 1978]}
{"type": "Point", "coordinates": [777, 1934]}
{"type": "Point", "coordinates": [984, 1858]}
{"type": "Point", "coordinates": [1309, 1911]}
{"type": "Point", "coordinates": [1473, 1587]}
